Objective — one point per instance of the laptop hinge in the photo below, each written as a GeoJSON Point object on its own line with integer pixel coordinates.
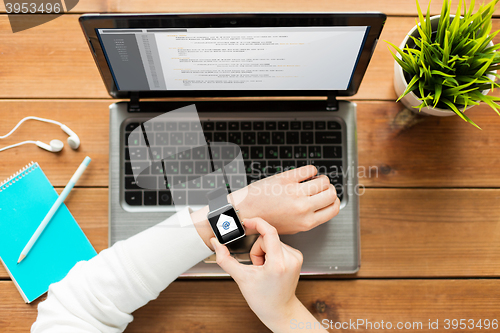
{"type": "Point", "coordinates": [133, 105]}
{"type": "Point", "coordinates": [331, 102]}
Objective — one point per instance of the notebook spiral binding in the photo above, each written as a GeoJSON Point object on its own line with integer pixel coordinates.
{"type": "Point", "coordinates": [18, 175]}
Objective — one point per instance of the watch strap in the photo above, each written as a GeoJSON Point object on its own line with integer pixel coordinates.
{"type": "Point", "coordinates": [217, 198]}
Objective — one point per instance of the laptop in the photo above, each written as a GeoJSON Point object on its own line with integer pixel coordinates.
{"type": "Point", "coordinates": [220, 63]}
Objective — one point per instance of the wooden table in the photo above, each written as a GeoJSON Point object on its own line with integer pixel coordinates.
{"type": "Point", "coordinates": [430, 218]}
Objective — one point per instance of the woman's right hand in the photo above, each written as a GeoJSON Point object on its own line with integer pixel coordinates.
{"type": "Point", "coordinates": [269, 284]}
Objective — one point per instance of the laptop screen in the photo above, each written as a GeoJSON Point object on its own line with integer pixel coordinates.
{"type": "Point", "coordinates": [215, 59]}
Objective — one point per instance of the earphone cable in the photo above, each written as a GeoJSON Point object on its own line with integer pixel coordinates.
{"type": "Point", "coordinates": [29, 118]}
{"type": "Point", "coordinates": [17, 144]}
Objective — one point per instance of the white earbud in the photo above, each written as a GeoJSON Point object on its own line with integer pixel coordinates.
{"type": "Point", "coordinates": [73, 140]}
{"type": "Point", "coordinates": [55, 145]}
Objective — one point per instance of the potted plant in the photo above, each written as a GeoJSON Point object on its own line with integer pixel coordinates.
{"type": "Point", "coordinates": [447, 63]}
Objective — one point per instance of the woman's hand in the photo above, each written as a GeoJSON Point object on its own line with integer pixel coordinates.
{"type": "Point", "coordinates": [288, 204]}
{"type": "Point", "coordinates": [269, 284]}
{"type": "Point", "coordinates": [291, 201]}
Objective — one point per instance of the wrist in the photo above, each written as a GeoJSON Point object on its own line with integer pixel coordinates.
{"type": "Point", "coordinates": [291, 314]}
{"type": "Point", "coordinates": [202, 226]}
{"type": "Point", "coordinates": [279, 320]}
{"type": "Point", "coordinates": [241, 203]}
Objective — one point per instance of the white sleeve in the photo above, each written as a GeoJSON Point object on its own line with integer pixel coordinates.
{"type": "Point", "coordinates": [99, 295]}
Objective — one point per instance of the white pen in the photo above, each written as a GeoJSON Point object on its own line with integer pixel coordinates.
{"type": "Point", "coordinates": [54, 208]}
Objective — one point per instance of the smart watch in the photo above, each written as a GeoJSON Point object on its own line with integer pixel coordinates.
{"type": "Point", "coordinates": [223, 218]}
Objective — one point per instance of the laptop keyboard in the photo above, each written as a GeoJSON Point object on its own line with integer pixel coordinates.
{"type": "Point", "coordinates": [268, 147]}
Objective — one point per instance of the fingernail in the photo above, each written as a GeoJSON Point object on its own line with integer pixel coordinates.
{"type": "Point", "coordinates": [214, 242]}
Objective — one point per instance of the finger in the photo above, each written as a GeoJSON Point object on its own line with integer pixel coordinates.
{"type": "Point", "coordinates": [323, 199]}
{"type": "Point", "coordinates": [327, 213]}
{"type": "Point", "coordinates": [229, 264]}
{"type": "Point", "coordinates": [257, 253]}
{"type": "Point", "coordinates": [271, 243]}
{"type": "Point", "coordinates": [293, 251]}
{"type": "Point", "coordinates": [301, 174]}
{"type": "Point", "coordinates": [315, 185]}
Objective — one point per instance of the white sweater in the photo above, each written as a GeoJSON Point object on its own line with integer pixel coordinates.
{"type": "Point", "coordinates": [99, 295]}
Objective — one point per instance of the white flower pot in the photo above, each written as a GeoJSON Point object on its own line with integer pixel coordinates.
{"type": "Point", "coordinates": [400, 84]}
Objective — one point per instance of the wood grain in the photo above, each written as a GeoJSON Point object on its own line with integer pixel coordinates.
{"type": "Point", "coordinates": [83, 6]}
{"type": "Point", "coordinates": [397, 148]}
{"type": "Point", "coordinates": [53, 61]}
{"type": "Point", "coordinates": [217, 306]}
{"type": "Point", "coordinates": [49, 61]}
{"type": "Point", "coordinates": [390, 7]}
{"type": "Point", "coordinates": [404, 233]}
{"type": "Point", "coordinates": [402, 148]}
{"type": "Point", "coordinates": [430, 233]}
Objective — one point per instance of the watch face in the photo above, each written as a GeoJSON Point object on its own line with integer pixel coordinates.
{"type": "Point", "coordinates": [226, 224]}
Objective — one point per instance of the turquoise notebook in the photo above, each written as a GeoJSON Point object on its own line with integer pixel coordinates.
{"type": "Point", "coordinates": [25, 199]}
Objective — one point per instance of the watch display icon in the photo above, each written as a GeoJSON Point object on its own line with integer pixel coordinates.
{"type": "Point", "coordinates": [226, 224]}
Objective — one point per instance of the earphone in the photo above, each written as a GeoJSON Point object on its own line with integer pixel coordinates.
{"type": "Point", "coordinates": [55, 145]}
